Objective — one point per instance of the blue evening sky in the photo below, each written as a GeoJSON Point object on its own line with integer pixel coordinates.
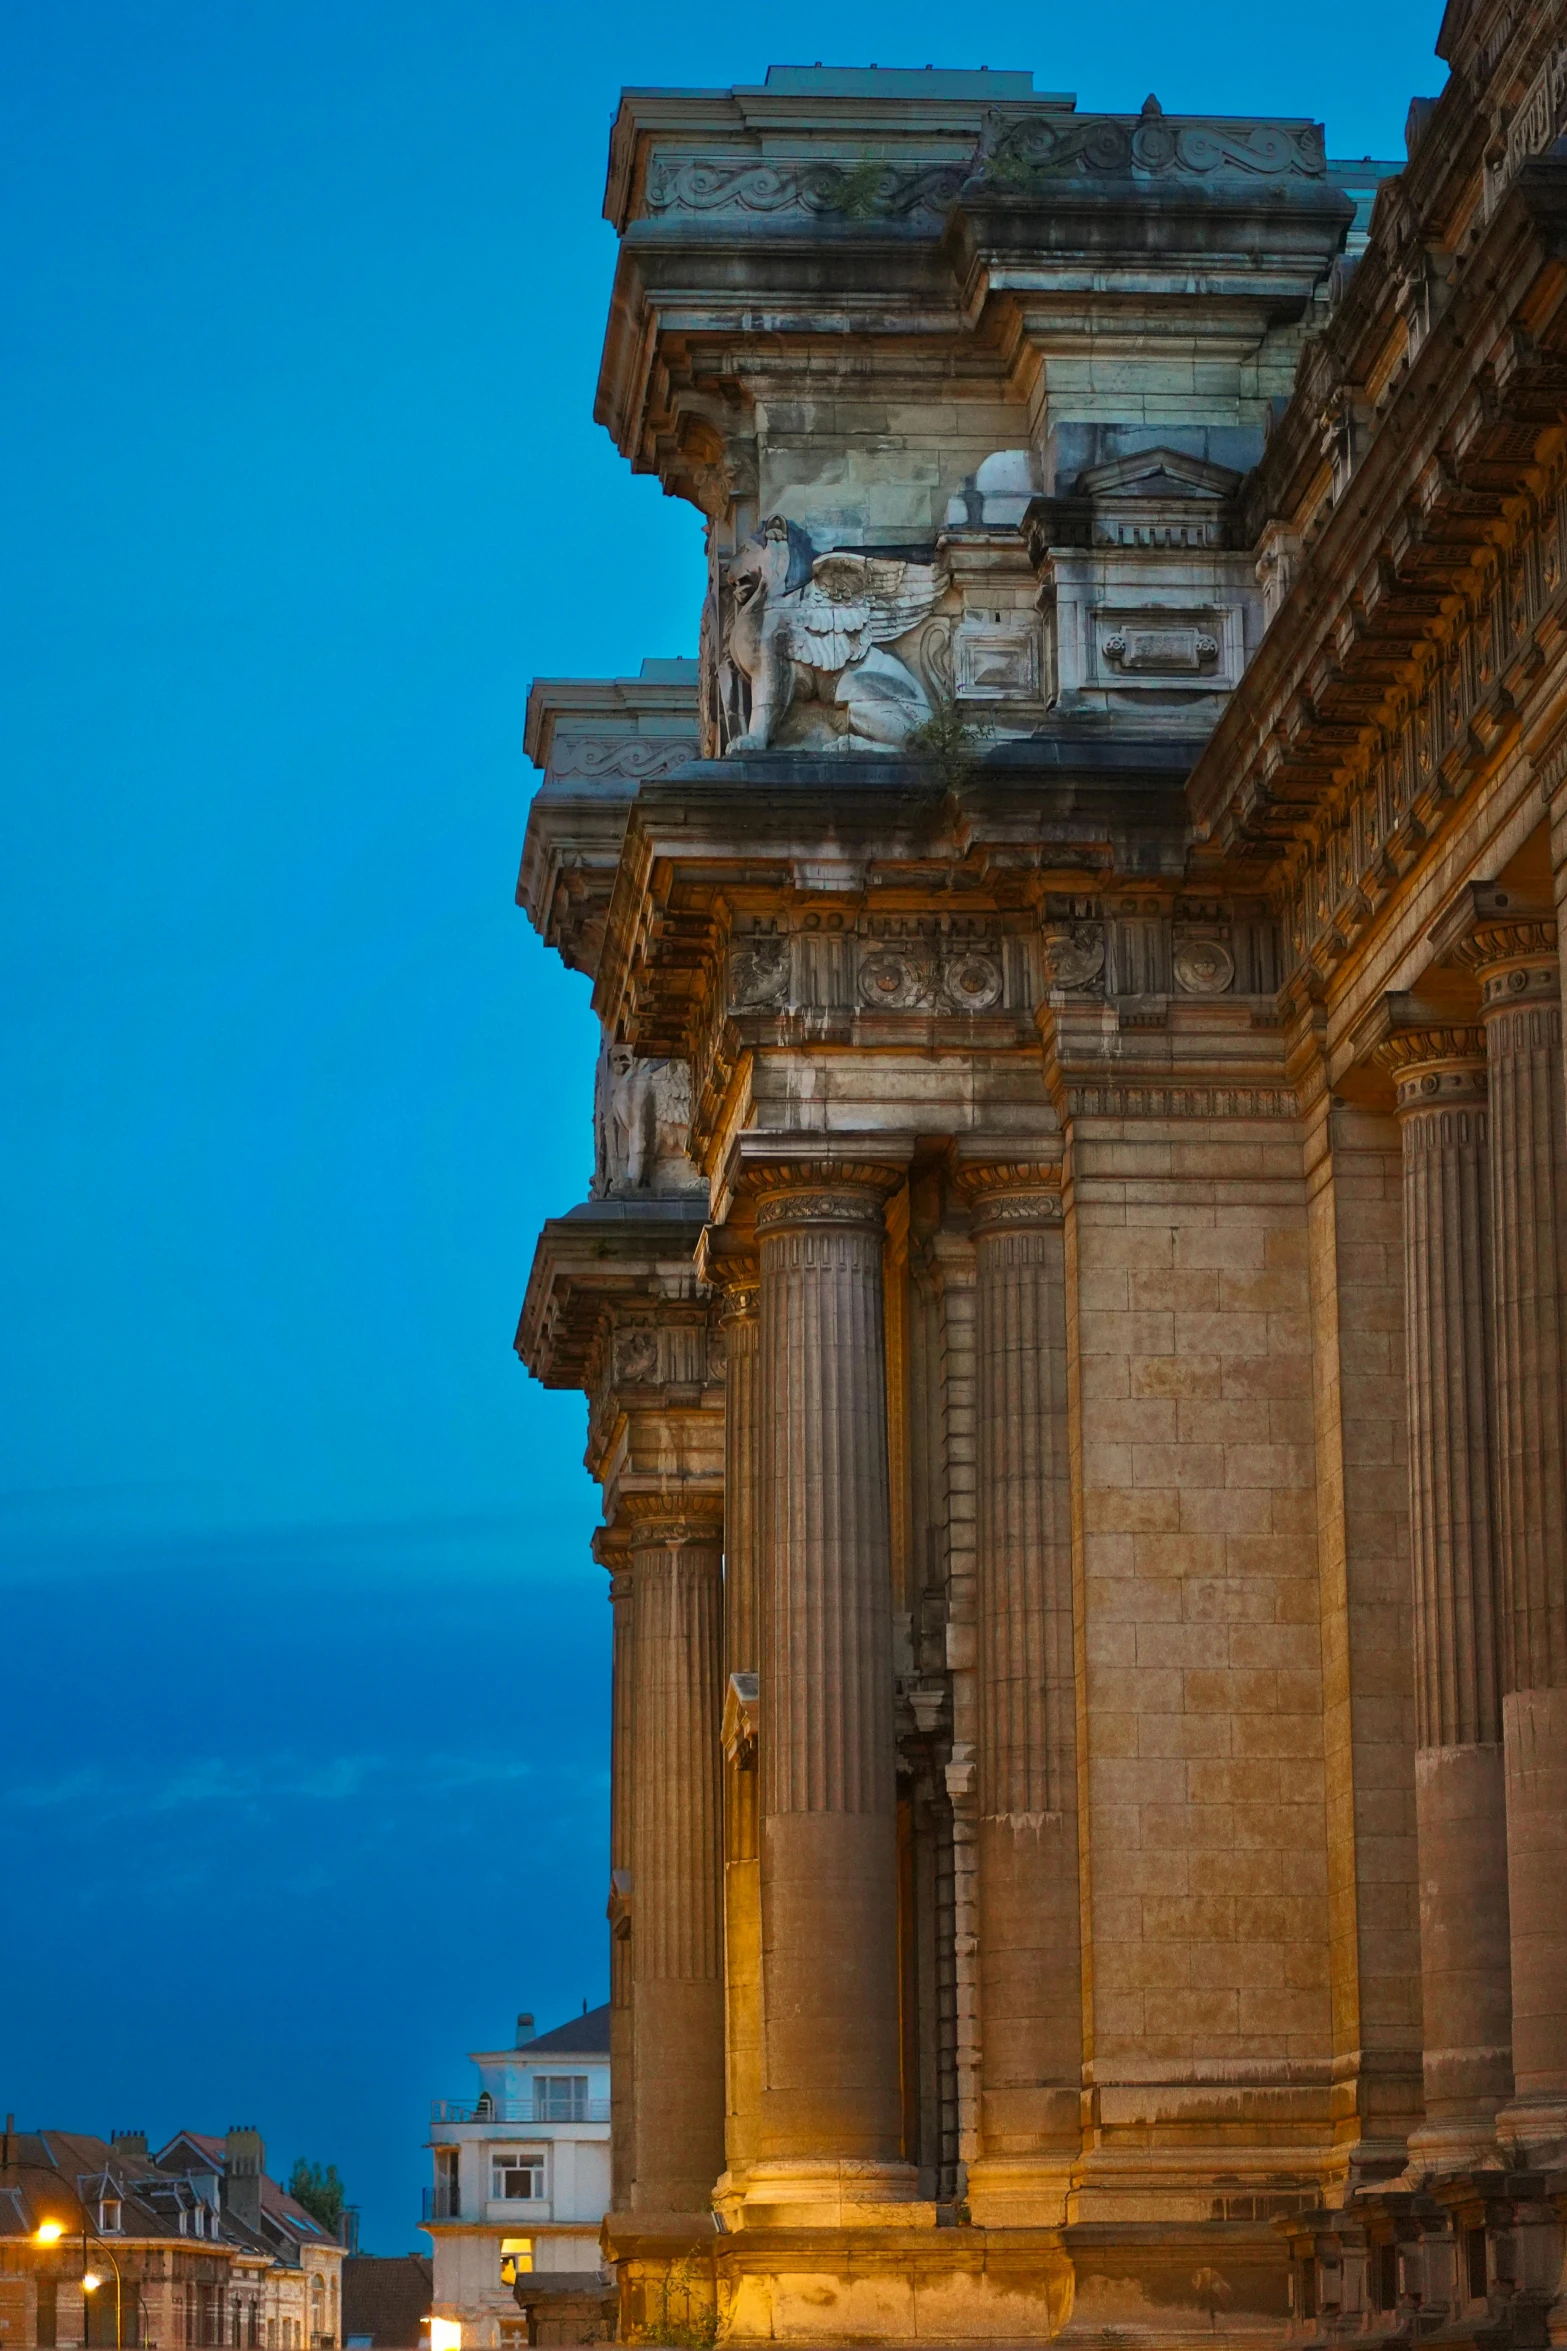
{"type": "Point", "coordinates": [304, 1704]}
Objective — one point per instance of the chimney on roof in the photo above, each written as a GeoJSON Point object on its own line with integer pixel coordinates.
{"type": "Point", "coordinates": [128, 2142]}
{"type": "Point", "coordinates": [244, 2162]}
{"type": "Point", "coordinates": [524, 2029]}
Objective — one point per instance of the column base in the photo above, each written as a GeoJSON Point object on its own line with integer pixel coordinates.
{"type": "Point", "coordinates": [1533, 2127]}
{"type": "Point", "coordinates": [1140, 2289]}
{"type": "Point", "coordinates": [1453, 2146]}
{"type": "Point", "coordinates": [664, 2275]}
{"type": "Point", "coordinates": [813, 2192]}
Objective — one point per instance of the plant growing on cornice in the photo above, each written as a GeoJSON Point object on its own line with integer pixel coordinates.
{"type": "Point", "coordinates": [950, 741]}
{"type": "Point", "coordinates": [858, 195]}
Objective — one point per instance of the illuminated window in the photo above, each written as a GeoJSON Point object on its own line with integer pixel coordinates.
{"type": "Point", "coordinates": [517, 2175]}
{"type": "Point", "coordinates": [516, 2259]}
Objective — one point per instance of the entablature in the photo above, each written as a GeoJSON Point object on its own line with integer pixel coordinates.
{"type": "Point", "coordinates": [1420, 617]}
{"type": "Point", "coordinates": [597, 740]}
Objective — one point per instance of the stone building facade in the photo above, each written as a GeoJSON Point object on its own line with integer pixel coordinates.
{"type": "Point", "coordinates": [1071, 1308]}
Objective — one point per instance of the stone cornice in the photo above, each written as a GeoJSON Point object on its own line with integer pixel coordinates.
{"type": "Point", "coordinates": [1437, 505]}
{"type": "Point", "coordinates": [605, 1255]}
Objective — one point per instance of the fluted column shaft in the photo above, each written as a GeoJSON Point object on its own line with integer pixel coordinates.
{"type": "Point", "coordinates": [1460, 1800]}
{"type": "Point", "coordinates": [615, 1555]}
{"type": "Point", "coordinates": [1030, 1941]}
{"type": "Point", "coordinates": [676, 1964]}
{"type": "Point", "coordinates": [741, 1326]}
{"type": "Point", "coordinates": [1521, 1007]}
{"type": "Point", "coordinates": [829, 1839]}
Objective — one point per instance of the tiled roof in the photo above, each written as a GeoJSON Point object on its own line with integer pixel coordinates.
{"type": "Point", "coordinates": [584, 2036]}
{"type": "Point", "coordinates": [385, 2297]}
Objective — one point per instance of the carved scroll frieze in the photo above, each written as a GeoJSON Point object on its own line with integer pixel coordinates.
{"type": "Point", "coordinates": [862, 190]}
{"type": "Point", "coordinates": [627, 755]}
{"type": "Point", "coordinates": [1112, 146]}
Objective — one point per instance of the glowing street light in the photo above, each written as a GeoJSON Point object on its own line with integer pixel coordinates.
{"type": "Point", "coordinates": [445, 2335]}
{"type": "Point", "coordinates": [49, 2232]}
{"type": "Point", "coordinates": [91, 2281]}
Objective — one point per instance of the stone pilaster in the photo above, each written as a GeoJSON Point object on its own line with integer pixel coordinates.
{"type": "Point", "coordinates": [830, 2137]}
{"type": "Point", "coordinates": [739, 1276]}
{"type": "Point", "coordinates": [612, 1550]}
{"type": "Point", "coordinates": [1516, 962]}
{"type": "Point", "coordinates": [1030, 1935]}
{"type": "Point", "coordinates": [1459, 1782]}
{"type": "Point", "coordinates": [676, 1965]}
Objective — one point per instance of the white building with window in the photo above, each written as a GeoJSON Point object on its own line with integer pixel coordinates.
{"type": "Point", "coordinates": [521, 2174]}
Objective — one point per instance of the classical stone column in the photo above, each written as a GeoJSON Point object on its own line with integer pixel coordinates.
{"type": "Point", "coordinates": [1520, 996]}
{"type": "Point", "coordinates": [1460, 1800]}
{"type": "Point", "coordinates": [612, 1550]}
{"type": "Point", "coordinates": [677, 1978]}
{"type": "Point", "coordinates": [1031, 2033]}
{"type": "Point", "coordinates": [830, 2139]}
{"type": "Point", "coordinates": [741, 1326]}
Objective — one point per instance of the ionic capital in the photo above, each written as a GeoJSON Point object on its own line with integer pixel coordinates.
{"type": "Point", "coordinates": [1439, 1068]}
{"type": "Point", "coordinates": [730, 1265]}
{"type": "Point", "coordinates": [804, 1194]}
{"type": "Point", "coordinates": [1008, 1195]}
{"type": "Point", "coordinates": [671, 1518]}
{"type": "Point", "coordinates": [1507, 941]}
{"type": "Point", "coordinates": [1513, 961]}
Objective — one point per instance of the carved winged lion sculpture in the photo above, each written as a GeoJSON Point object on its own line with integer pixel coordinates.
{"type": "Point", "coordinates": [810, 628]}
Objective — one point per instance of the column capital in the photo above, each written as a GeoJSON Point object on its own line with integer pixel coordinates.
{"type": "Point", "coordinates": [1437, 1068]}
{"type": "Point", "coordinates": [669, 1518]}
{"type": "Point", "coordinates": [794, 1194]}
{"type": "Point", "coordinates": [1505, 938]}
{"type": "Point", "coordinates": [728, 1262]}
{"type": "Point", "coordinates": [1514, 963]}
{"type": "Point", "coordinates": [1006, 1194]}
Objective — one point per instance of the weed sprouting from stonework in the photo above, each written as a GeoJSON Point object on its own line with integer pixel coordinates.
{"type": "Point", "coordinates": [950, 740]}
{"type": "Point", "coordinates": [859, 192]}
{"type": "Point", "coordinates": [687, 2318]}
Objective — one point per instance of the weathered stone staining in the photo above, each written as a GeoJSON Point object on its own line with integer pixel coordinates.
{"type": "Point", "coordinates": [1071, 1304]}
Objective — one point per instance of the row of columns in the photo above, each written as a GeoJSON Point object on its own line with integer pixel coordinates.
{"type": "Point", "coordinates": [795, 1893]}
{"type": "Point", "coordinates": [1484, 1142]}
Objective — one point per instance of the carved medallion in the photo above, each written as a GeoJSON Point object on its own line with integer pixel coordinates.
{"type": "Point", "coordinates": [1203, 966]}
{"type": "Point", "coordinates": [1075, 955]}
{"type": "Point", "coordinates": [896, 980]}
{"type": "Point", "coordinates": [972, 981]}
{"type": "Point", "coordinates": [636, 1357]}
{"type": "Point", "coordinates": [759, 974]}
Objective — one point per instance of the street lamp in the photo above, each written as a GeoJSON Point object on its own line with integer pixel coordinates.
{"type": "Point", "coordinates": [50, 2232]}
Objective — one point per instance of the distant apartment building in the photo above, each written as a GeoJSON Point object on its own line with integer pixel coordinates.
{"type": "Point", "coordinates": [191, 2249]}
{"type": "Point", "coordinates": [521, 2176]}
{"type": "Point", "coordinates": [288, 2268]}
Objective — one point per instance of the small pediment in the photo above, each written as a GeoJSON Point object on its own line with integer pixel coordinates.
{"type": "Point", "coordinates": [1157, 473]}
